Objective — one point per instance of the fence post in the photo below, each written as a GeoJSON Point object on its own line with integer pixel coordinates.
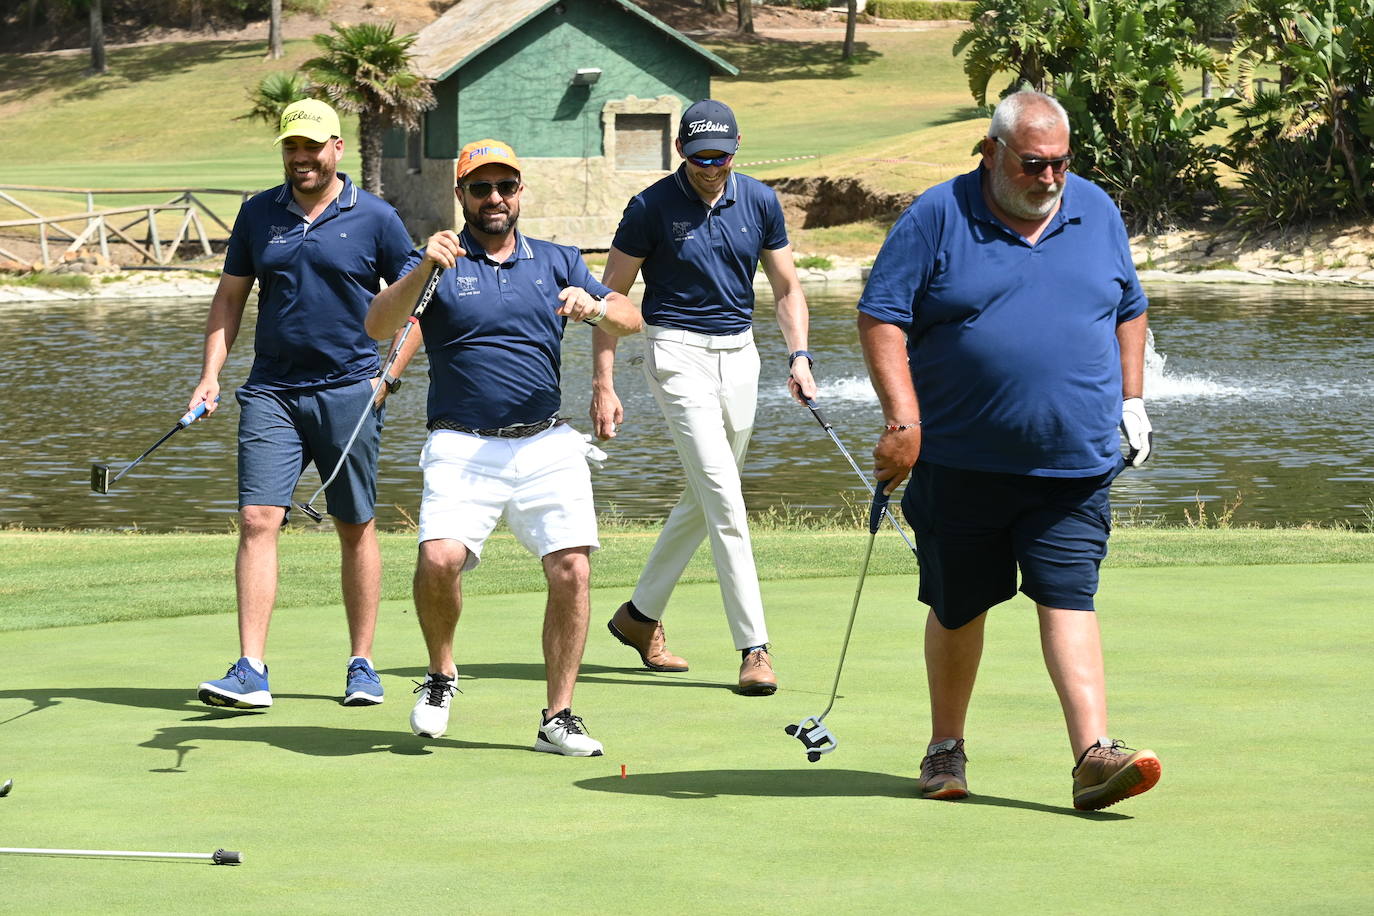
{"type": "Point", "coordinates": [153, 241]}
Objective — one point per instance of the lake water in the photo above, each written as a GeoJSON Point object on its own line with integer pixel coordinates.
{"type": "Point", "coordinates": [1264, 406]}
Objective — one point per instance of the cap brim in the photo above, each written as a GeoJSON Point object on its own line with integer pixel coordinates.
{"type": "Point", "coordinates": [692, 147]}
{"type": "Point", "coordinates": [309, 135]}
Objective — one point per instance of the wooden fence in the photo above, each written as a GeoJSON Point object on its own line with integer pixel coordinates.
{"type": "Point", "coordinates": [134, 226]}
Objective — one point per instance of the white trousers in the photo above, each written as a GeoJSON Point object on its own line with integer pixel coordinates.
{"type": "Point", "coordinates": [707, 388]}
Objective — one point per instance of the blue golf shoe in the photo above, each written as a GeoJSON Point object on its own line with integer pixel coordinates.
{"type": "Point", "coordinates": [363, 687]}
{"type": "Point", "coordinates": [240, 688]}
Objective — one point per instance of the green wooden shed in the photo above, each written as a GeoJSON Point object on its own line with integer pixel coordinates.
{"type": "Point", "coordinates": [588, 92]}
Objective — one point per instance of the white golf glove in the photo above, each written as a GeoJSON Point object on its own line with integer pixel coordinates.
{"type": "Point", "coordinates": [1135, 424]}
{"type": "Point", "coordinates": [595, 456]}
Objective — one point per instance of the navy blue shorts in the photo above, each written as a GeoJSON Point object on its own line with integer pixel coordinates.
{"type": "Point", "coordinates": [282, 432]}
{"type": "Point", "coordinates": [974, 529]}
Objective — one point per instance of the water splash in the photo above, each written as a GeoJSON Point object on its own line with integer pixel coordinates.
{"type": "Point", "coordinates": [1160, 386]}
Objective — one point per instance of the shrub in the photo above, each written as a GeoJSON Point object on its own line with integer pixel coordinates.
{"type": "Point", "coordinates": [921, 9]}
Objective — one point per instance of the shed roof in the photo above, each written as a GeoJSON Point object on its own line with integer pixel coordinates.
{"type": "Point", "coordinates": [471, 27]}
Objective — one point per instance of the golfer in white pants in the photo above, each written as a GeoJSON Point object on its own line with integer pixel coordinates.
{"type": "Point", "coordinates": [698, 236]}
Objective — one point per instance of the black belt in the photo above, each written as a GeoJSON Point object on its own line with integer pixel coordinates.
{"type": "Point", "coordinates": [518, 431]}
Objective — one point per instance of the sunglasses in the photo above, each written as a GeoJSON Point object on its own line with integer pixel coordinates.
{"type": "Point", "coordinates": [708, 162]}
{"type": "Point", "coordinates": [482, 189]}
{"type": "Point", "coordinates": [1033, 166]}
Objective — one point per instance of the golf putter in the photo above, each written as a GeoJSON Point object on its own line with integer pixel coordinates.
{"type": "Point", "coordinates": [425, 295]}
{"type": "Point", "coordinates": [218, 857]}
{"type": "Point", "coordinates": [101, 481]}
{"type": "Point", "coordinates": [825, 425]}
{"type": "Point", "coordinates": [812, 731]}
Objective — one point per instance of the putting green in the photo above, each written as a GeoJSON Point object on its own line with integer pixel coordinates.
{"type": "Point", "coordinates": [1252, 684]}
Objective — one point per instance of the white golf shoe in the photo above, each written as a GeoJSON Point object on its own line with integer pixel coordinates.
{"type": "Point", "coordinates": [563, 733]}
{"type": "Point", "coordinates": [429, 718]}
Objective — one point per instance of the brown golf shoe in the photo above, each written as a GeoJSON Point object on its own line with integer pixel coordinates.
{"type": "Point", "coordinates": [942, 771]}
{"type": "Point", "coordinates": [756, 677]}
{"type": "Point", "coordinates": [646, 639]}
{"type": "Point", "coordinates": [1109, 772]}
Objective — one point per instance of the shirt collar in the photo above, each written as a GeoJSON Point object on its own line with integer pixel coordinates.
{"type": "Point", "coordinates": [476, 252]}
{"type": "Point", "coordinates": [347, 199]}
{"type": "Point", "coordinates": [1069, 209]}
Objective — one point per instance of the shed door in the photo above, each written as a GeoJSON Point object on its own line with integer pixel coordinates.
{"type": "Point", "coordinates": [641, 141]}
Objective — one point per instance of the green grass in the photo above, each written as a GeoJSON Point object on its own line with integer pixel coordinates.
{"type": "Point", "coordinates": [1249, 681]}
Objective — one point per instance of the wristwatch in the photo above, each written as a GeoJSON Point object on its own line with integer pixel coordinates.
{"type": "Point", "coordinates": [793, 356]}
{"type": "Point", "coordinates": [393, 385]}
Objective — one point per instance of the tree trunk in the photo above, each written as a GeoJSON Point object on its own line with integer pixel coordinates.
{"type": "Point", "coordinates": [197, 20]}
{"type": "Point", "coordinates": [851, 19]}
{"type": "Point", "coordinates": [274, 50]}
{"type": "Point", "coordinates": [1206, 84]}
{"type": "Point", "coordinates": [746, 16]}
{"type": "Point", "coordinates": [370, 136]}
{"type": "Point", "coordinates": [713, 6]}
{"type": "Point", "coordinates": [97, 37]}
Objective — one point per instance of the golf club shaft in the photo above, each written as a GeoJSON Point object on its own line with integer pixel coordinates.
{"type": "Point", "coordinates": [825, 425]}
{"type": "Point", "coordinates": [425, 296]}
{"type": "Point", "coordinates": [875, 521]}
{"type": "Point", "coordinates": [186, 420]}
{"type": "Point", "coordinates": [219, 856]}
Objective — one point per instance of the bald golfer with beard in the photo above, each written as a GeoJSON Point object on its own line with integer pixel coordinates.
{"type": "Point", "coordinates": [1004, 330]}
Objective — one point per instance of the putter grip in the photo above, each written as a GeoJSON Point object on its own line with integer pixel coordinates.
{"type": "Point", "coordinates": [875, 513]}
{"type": "Point", "coordinates": [816, 412]}
{"type": "Point", "coordinates": [194, 413]}
{"type": "Point", "coordinates": [226, 857]}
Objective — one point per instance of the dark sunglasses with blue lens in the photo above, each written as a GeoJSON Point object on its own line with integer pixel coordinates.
{"type": "Point", "coordinates": [708, 162]}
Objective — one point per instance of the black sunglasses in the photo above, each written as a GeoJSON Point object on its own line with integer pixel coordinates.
{"type": "Point", "coordinates": [482, 189]}
{"type": "Point", "coordinates": [1033, 166]}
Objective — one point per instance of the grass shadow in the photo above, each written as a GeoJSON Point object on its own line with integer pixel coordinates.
{"type": "Point", "coordinates": [311, 740]}
{"type": "Point", "coordinates": [587, 674]}
{"type": "Point", "coordinates": [1046, 809]}
{"type": "Point", "coordinates": [772, 59]}
{"type": "Point", "coordinates": [966, 113]}
{"type": "Point", "coordinates": [175, 699]}
{"type": "Point", "coordinates": [27, 75]}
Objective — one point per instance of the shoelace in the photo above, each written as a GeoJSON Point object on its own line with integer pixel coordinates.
{"type": "Point", "coordinates": [759, 659]}
{"type": "Point", "coordinates": [437, 689]}
{"type": "Point", "coordinates": [359, 669]}
{"type": "Point", "coordinates": [944, 763]}
{"type": "Point", "coordinates": [571, 724]}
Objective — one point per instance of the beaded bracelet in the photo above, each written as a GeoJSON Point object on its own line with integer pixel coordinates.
{"type": "Point", "coordinates": [901, 427]}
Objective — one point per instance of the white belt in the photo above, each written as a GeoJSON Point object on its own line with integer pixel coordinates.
{"type": "Point", "coordinates": [693, 339]}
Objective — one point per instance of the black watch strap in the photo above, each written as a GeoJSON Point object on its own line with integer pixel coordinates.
{"type": "Point", "coordinates": [392, 384]}
{"type": "Point", "coordinates": [795, 355]}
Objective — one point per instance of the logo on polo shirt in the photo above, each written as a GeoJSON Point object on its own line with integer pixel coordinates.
{"type": "Point", "coordinates": [467, 286]}
{"type": "Point", "coordinates": [682, 231]}
{"type": "Point", "coordinates": [276, 235]}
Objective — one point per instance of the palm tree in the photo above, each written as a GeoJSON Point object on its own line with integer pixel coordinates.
{"type": "Point", "coordinates": [365, 69]}
{"type": "Point", "coordinates": [272, 95]}
{"type": "Point", "coordinates": [274, 51]}
{"type": "Point", "coordinates": [97, 18]}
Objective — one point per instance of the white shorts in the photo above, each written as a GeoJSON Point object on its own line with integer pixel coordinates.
{"type": "Point", "coordinates": [541, 485]}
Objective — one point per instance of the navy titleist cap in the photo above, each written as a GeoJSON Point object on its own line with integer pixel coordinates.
{"type": "Point", "coordinates": [708, 124]}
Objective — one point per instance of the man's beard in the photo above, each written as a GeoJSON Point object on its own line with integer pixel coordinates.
{"type": "Point", "coordinates": [325, 178]}
{"type": "Point", "coordinates": [1018, 202]}
{"type": "Point", "coordinates": [493, 223]}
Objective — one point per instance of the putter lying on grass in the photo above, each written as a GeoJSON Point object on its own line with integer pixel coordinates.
{"type": "Point", "coordinates": [825, 425]}
{"type": "Point", "coordinates": [812, 731]}
{"type": "Point", "coordinates": [218, 857]}
{"type": "Point", "coordinates": [387, 378]}
{"type": "Point", "coordinates": [100, 473]}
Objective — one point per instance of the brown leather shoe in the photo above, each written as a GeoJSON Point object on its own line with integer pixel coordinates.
{"type": "Point", "coordinates": [646, 639]}
{"type": "Point", "coordinates": [756, 678]}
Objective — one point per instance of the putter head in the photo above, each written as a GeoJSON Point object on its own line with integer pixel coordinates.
{"type": "Point", "coordinates": [817, 738]}
{"type": "Point", "coordinates": [5, 789]}
{"type": "Point", "coordinates": [310, 511]}
{"type": "Point", "coordinates": [100, 478]}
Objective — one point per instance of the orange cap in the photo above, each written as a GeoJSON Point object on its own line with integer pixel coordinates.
{"type": "Point", "coordinates": [480, 153]}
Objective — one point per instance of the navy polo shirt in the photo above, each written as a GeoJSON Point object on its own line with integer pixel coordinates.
{"type": "Point", "coordinates": [492, 334]}
{"type": "Point", "coordinates": [1012, 346]}
{"type": "Point", "coordinates": [315, 283]}
{"type": "Point", "coordinates": [699, 260]}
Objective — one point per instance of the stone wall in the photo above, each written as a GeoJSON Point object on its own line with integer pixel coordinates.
{"type": "Point", "coordinates": [1331, 253]}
